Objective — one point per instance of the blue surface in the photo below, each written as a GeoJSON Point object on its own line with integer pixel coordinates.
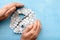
{"type": "Point", "coordinates": [47, 11]}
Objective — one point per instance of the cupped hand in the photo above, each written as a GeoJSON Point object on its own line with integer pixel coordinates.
{"type": "Point", "coordinates": [32, 31]}
{"type": "Point", "coordinates": [8, 10]}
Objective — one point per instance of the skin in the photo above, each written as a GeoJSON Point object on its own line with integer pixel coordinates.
{"type": "Point", "coordinates": [8, 10]}
{"type": "Point", "coordinates": [31, 32]}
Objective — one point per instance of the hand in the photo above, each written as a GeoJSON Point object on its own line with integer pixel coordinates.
{"type": "Point", "coordinates": [8, 10]}
{"type": "Point", "coordinates": [32, 31]}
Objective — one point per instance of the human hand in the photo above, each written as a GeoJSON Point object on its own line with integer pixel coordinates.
{"type": "Point", "coordinates": [32, 31]}
{"type": "Point", "coordinates": [8, 10]}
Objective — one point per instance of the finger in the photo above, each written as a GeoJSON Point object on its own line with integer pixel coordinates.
{"type": "Point", "coordinates": [28, 29]}
{"type": "Point", "coordinates": [38, 27]}
{"type": "Point", "coordinates": [9, 12]}
{"type": "Point", "coordinates": [37, 30]}
{"type": "Point", "coordinates": [7, 7]}
{"type": "Point", "coordinates": [13, 5]}
{"type": "Point", "coordinates": [32, 31]}
{"type": "Point", "coordinates": [18, 4]}
{"type": "Point", "coordinates": [34, 26]}
{"type": "Point", "coordinates": [1, 13]}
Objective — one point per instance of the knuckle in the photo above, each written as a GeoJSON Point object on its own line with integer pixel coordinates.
{"type": "Point", "coordinates": [32, 32]}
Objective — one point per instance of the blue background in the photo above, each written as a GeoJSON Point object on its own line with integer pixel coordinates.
{"type": "Point", "coordinates": [47, 11]}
